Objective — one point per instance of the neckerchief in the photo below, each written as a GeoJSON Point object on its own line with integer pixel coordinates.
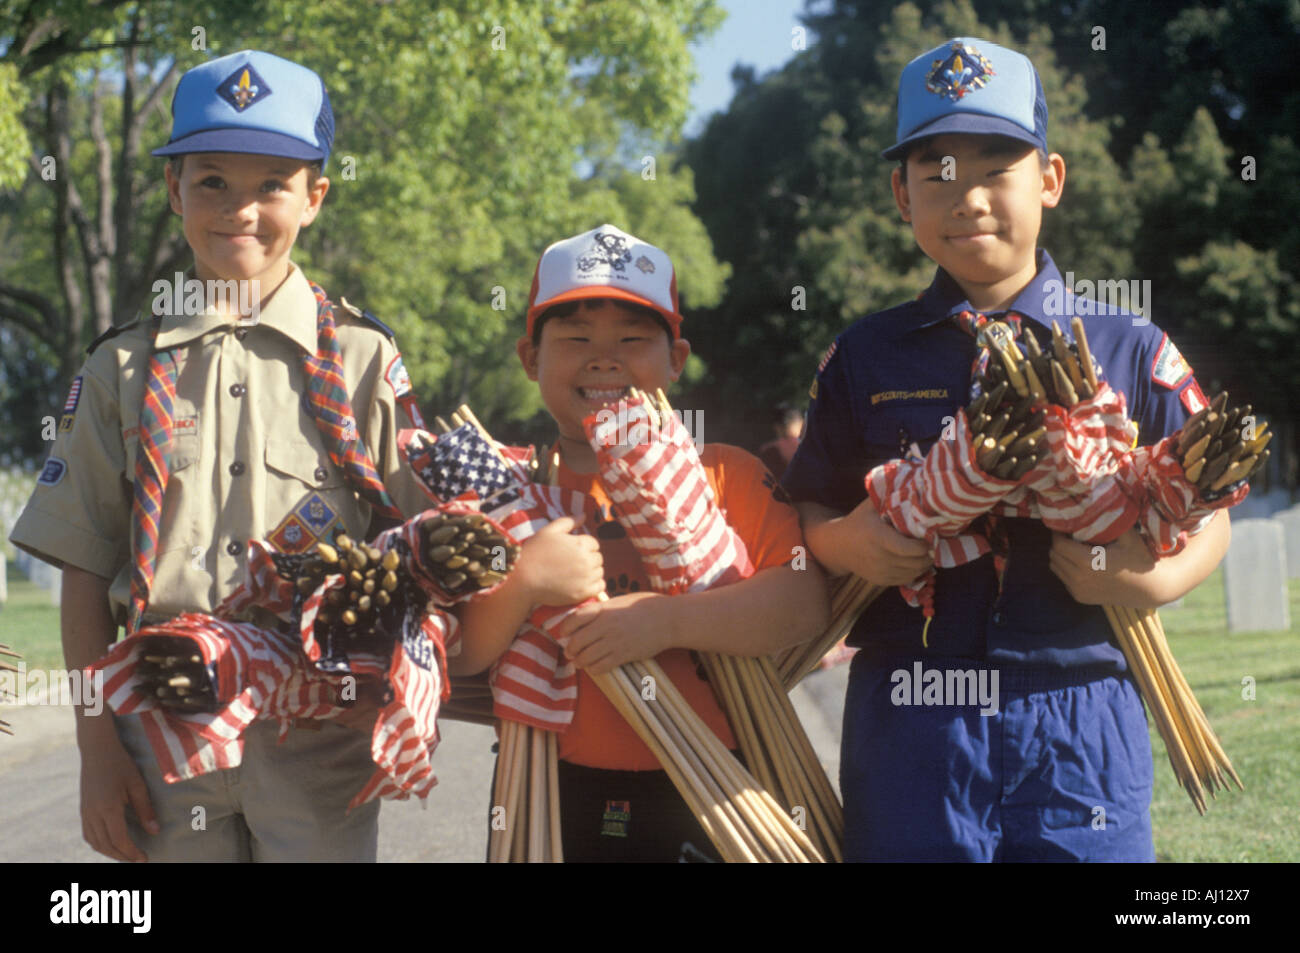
{"type": "Point", "coordinates": [327, 401]}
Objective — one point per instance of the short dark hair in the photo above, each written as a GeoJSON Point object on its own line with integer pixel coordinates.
{"type": "Point", "coordinates": [314, 169]}
{"type": "Point", "coordinates": [569, 308]}
{"type": "Point", "coordinates": [1011, 145]}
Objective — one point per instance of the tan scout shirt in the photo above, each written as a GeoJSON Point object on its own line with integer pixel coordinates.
{"type": "Point", "coordinates": [246, 451]}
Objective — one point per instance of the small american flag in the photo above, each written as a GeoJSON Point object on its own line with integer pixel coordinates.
{"type": "Point", "coordinates": [462, 461]}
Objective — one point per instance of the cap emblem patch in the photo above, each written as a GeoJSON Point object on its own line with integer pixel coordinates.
{"type": "Point", "coordinates": [608, 250]}
{"type": "Point", "coordinates": [962, 71]}
{"type": "Point", "coordinates": [242, 88]}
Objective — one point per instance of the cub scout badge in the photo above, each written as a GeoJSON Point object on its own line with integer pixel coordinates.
{"type": "Point", "coordinates": [615, 821]}
{"type": "Point", "coordinates": [963, 70]}
{"type": "Point", "coordinates": [1169, 368]}
{"type": "Point", "coordinates": [70, 405]}
{"type": "Point", "coordinates": [242, 88]}
{"type": "Point", "coordinates": [305, 525]}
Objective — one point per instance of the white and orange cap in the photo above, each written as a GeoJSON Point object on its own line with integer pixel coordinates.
{"type": "Point", "coordinates": [605, 262]}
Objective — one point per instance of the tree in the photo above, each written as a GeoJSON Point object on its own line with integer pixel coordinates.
{"type": "Point", "coordinates": [468, 137]}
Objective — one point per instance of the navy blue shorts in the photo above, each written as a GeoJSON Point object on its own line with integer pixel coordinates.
{"type": "Point", "coordinates": [1056, 774]}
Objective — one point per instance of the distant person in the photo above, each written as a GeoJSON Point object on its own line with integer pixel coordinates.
{"type": "Point", "coordinates": [787, 424]}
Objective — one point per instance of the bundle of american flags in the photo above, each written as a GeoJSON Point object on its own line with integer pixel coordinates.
{"type": "Point", "coordinates": [1079, 473]}
{"type": "Point", "coordinates": [650, 468]}
{"type": "Point", "coordinates": [286, 673]}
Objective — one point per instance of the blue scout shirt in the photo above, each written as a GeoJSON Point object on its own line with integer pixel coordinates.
{"type": "Point", "coordinates": [890, 380]}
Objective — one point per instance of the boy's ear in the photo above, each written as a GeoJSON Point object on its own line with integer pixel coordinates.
{"type": "Point", "coordinates": [315, 196]}
{"type": "Point", "coordinates": [677, 355]}
{"type": "Point", "coordinates": [527, 352]}
{"type": "Point", "coordinates": [1053, 180]}
{"type": "Point", "coordinates": [901, 198]}
{"type": "Point", "coordinates": [173, 189]}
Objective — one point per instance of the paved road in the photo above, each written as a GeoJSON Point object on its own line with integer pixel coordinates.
{"type": "Point", "coordinates": [39, 770]}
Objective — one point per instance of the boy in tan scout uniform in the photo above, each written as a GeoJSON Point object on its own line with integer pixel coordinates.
{"type": "Point", "coordinates": [247, 457]}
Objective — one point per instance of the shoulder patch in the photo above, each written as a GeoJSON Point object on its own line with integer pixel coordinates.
{"type": "Point", "coordinates": [111, 333]}
{"type": "Point", "coordinates": [52, 472]}
{"type": "Point", "coordinates": [70, 405]}
{"type": "Point", "coordinates": [1193, 397]}
{"type": "Point", "coordinates": [1169, 368]}
{"type": "Point", "coordinates": [398, 379]}
{"type": "Point", "coordinates": [826, 358]}
{"type": "Point", "coordinates": [361, 314]}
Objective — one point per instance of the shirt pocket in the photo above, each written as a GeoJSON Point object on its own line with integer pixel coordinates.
{"type": "Point", "coordinates": [185, 448]}
{"type": "Point", "coordinates": [890, 431]}
{"type": "Point", "coordinates": [301, 478]}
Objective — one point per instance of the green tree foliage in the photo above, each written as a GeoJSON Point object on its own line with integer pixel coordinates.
{"type": "Point", "coordinates": [1154, 127]}
{"type": "Point", "coordinates": [470, 135]}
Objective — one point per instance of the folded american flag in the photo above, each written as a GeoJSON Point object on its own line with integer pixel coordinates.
{"type": "Point", "coordinates": [1171, 510]}
{"type": "Point", "coordinates": [247, 665]}
{"type": "Point", "coordinates": [663, 499]}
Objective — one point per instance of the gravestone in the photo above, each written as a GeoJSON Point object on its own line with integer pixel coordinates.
{"type": "Point", "coordinates": [4, 582]}
{"type": "Point", "coordinates": [55, 587]}
{"type": "Point", "coordinates": [1254, 578]}
{"type": "Point", "coordinates": [1290, 520]}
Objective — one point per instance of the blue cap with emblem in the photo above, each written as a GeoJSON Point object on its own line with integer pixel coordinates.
{"type": "Point", "coordinates": [970, 86]}
{"type": "Point", "coordinates": [251, 102]}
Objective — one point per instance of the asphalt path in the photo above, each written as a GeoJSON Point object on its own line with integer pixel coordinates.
{"type": "Point", "coordinates": [39, 770]}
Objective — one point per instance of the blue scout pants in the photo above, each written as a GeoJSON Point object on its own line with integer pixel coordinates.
{"type": "Point", "coordinates": [1057, 774]}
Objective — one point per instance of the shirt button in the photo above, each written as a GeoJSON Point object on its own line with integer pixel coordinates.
{"type": "Point", "coordinates": [241, 333]}
{"type": "Point", "coordinates": [238, 390]}
{"type": "Point", "coordinates": [234, 547]}
{"type": "Point", "coordinates": [237, 468]}
{"type": "Point", "coordinates": [320, 474]}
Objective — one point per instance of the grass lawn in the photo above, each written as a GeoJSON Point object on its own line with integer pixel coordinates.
{"type": "Point", "coordinates": [1259, 735]}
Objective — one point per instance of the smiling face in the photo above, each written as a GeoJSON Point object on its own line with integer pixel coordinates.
{"type": "Point", "coordinates": [589, 359]}
{"type": "Point", "coordinates": [241, 213]}
{"type": "Point", "coordinates": [976, 203]}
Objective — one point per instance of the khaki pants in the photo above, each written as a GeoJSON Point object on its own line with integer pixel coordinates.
{"type": "Point", "coordinates": [285, 802]}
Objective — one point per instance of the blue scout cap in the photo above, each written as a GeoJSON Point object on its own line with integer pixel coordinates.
{"type": "Point", "coordinates": [970, 86]}
{"type": "Point", "coordinates": [251, 102]}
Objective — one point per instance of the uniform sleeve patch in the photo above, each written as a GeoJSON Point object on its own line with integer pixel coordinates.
{"type": "Point", "coordinates": [53, 472]}
{"type": "Point", "coordinates": [1193, 398]}
{"type": "Point", "coordinates": [70, 405]}
{"type": "Point", "coordinates": [826, 358]}
{"type": "Point", "coordinates": [398, 379]}
{"type": "Point", "coordinates": [1169, 369]}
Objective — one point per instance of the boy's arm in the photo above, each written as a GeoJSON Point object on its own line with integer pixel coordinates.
{"type": "Point", "coordinates": [861, 542]}
{"type": "Point", "coordinates": [556, 567]}
{"type": "Point", "coordinates": [109, 778]}
{"type": "Point", "coordinates": [774, 608]}
{"type": "Point", "coordinates": [1130, 576]}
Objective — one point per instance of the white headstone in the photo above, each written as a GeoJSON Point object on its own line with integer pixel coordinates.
{"type": "Point", "coordinates": [55, 587]}
{"type": "Point", "coordinates": [4, 582]}
{"type": "Point", "coordinates": [1290, 520]}
{"type": "Point", "coordinates": [1254, 578]}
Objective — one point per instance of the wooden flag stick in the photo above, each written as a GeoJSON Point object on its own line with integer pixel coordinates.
{"type": "Point", "coordinates": [622, 693]}
{"type": "Point", "coordinates": [537, 823]}
{"type": "Point", "coordinates": [553, 798]}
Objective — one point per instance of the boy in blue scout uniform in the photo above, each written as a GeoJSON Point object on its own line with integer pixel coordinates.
{"type": "Point", "coordinates": [1062, 769]}
{"type": "Point", "coordinates": [191, 431]}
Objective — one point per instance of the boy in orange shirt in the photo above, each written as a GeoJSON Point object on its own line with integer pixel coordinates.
{"type": "Point", "coordinates": [603, 318]}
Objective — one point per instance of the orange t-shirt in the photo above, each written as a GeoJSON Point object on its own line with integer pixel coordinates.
{"type": "Point", "coordinates": [758, 509]}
